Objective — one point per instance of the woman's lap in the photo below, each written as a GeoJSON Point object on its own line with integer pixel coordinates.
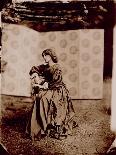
{"type": "Point", "coordinates": [53, 108]}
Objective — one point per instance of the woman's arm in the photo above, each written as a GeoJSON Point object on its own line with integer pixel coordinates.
{"type": "Point", "coordinates": [38, 69]}
{"type": "Point", "coordinates": [57, 75]}
{"type": "Point", "coordinates": [39, 85]}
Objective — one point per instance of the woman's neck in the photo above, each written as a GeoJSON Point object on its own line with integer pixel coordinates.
{"type": "Point", "coordinates": [51, 63]}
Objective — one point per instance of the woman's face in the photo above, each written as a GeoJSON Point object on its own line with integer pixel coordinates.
{"type": "Point", "coordinates": [47, 58]}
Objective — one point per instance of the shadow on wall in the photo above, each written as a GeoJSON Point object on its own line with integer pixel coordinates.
{"type": "Point", "coordinates": [108, 52]}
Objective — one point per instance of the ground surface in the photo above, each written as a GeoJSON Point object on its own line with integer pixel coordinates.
{"type": "Point", "coordinates": [91, 137]}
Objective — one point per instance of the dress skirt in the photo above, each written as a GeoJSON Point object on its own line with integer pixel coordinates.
{"type": "Point", "coordinates": [52, 107]}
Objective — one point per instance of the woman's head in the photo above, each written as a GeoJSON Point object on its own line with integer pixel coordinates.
{"type": "Point", "coordinates": [48, 55]}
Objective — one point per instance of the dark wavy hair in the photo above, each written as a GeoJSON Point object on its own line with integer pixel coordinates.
{"type": "Point", "coordinates": [51, 53]}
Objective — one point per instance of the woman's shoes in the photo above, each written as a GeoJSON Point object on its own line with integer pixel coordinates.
{"type": "Point", "coordinates": [59, 132]}
{"type": "Point", "coordinates": [56, 131]}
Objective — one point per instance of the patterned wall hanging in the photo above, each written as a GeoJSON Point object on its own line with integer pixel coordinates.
{"type": "Point", "coordinates": [80, 54]}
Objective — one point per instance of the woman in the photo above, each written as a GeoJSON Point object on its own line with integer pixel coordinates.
{"type": "Point", "coordinates": [53, 110]}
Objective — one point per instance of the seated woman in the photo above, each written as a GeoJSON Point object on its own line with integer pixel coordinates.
{"type": "Point", "coordinates": [52, 112]}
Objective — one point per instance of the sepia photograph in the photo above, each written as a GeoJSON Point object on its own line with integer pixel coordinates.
{"type": "Point", "coordinates": [58, 77]}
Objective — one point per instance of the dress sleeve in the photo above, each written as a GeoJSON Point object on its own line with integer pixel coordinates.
{"type": "Point", "coordinates": [38, 69]}
{"type": "Point", "coordinates": [57, 75]}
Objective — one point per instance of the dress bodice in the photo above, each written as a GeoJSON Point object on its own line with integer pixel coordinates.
{"type": "Point", "coordinates": [53, 76]}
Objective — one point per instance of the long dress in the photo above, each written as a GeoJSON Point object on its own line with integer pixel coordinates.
{"type": "Point", "coordinates": [52, 109]}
